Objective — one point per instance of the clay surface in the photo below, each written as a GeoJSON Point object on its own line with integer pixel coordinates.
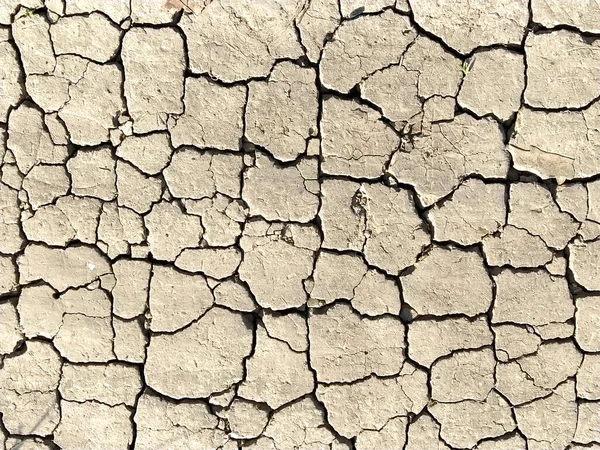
{"type": "Point", "coordinates": [299, 224]}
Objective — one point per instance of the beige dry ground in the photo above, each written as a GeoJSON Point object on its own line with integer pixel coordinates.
{"type": "Point", "coordinates": [300, 225]}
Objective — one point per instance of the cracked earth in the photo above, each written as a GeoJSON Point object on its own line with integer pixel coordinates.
{"type": "Point", "coordinates": [311, 225]}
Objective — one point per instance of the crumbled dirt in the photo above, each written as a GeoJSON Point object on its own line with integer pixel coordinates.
{"type": "Point", "coordinates": [299, 225]}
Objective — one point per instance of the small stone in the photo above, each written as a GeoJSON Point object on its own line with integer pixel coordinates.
{"type": "Point", "coordinates": [552, 58]}
{"type": "Point", "coordinates": [93, 425]}
{"type": "Point", "coordinates": [282, 110]}
{"type": "Point", "coordinates": [206, 357]}
{"type": "Point", "coordinates": [457, 283]}
{"type": "Point", "coordinates": [361, 47]}
{"type": "Point", "coordinates": [93, 36]}
{"type": "Point", "coordinates": [464, 423]}
{"type": "Point", "coordinates": [531, 298]}
{"type": "Point", "coordinates": [93, 173]}
{"type": "Point", "coordinates": [153, 83]}
{"type": "Point", "coordinates": [494, 84]}
{"type": "Point", "coordinates": [170, 230]}
{"type": "Point", "coordinates": [346, 126]}
{"type": "Point", "coordinates": [270, 369]}
{"type": "Point", "coordinates": [176, 299]}
{"type": "Point", "coordinates": [112, 383]}
{"type": "Point", "coordinates": [212, 117]}
{"type": "Point", "coordinates": [345, 347]}
{"type": "Point", "coordinates": [465, 25]}
{"type": "Point", "coordinates": [587, 315]}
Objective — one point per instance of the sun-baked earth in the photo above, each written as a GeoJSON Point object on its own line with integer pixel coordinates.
{"type": "Point", "coordinates": [300, 224]}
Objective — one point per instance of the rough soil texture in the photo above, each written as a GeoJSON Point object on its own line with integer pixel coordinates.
{"type": "Point", "coordinates": [300, 224]}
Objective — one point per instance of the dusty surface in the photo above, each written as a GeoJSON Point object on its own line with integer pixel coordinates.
{"type": "Point", "coordinates": [300, 225]}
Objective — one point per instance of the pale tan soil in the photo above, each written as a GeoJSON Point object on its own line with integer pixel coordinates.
{"type": "Point", "coordinates": [300, 224]}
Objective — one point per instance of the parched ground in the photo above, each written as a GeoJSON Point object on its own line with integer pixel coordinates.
{"type": "Point", "coordinates": [300, 225]}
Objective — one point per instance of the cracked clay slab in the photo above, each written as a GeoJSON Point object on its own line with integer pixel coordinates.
{"type": "Point", "coordinates": [300, 224]}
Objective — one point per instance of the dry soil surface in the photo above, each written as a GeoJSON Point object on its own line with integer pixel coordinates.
{"type": "Point", "coordinates": [300, 224]}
